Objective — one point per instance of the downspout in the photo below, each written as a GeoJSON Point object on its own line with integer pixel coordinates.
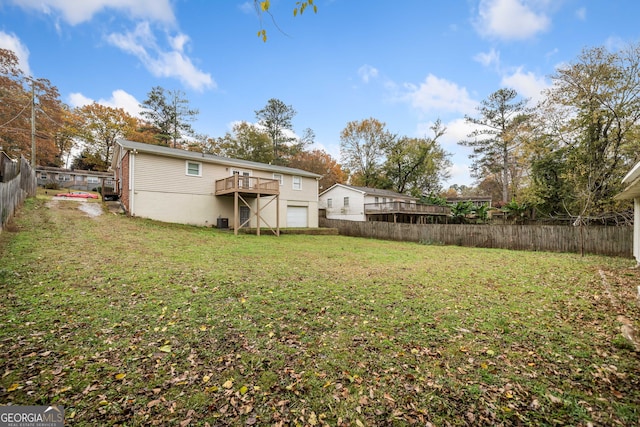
{"type": "Point", "coordinates": [636, 229]}
{"type": "Point", "coordinates": [132, 162]}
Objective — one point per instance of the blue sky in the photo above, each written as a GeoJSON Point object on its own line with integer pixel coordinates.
{"type": "Point", "coordinates": [404, 63]}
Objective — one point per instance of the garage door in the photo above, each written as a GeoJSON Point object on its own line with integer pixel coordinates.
{"type": "Point", "coordinates": [297, 216]}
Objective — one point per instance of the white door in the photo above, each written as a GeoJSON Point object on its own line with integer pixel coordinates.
{"type": "Point", "coordinates": [297, 216]}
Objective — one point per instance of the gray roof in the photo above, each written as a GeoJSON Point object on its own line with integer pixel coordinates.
{"type": "Point", "coordinates": [210, 158]}
{"type": "Point", "coordinates": [632, 179]}
{"type": "Point", "coordinates": [375, 191]}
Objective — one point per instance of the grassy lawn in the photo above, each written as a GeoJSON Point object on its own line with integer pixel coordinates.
{"type": "Point", "coordinates": [132, 322]}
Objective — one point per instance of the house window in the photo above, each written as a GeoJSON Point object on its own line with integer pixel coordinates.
{"type": "Point", "coordinates": [43, 176]}
{"type": "Point", "coordinates": [297, 183]}
{"type": "Point", "coordinates": [243, 180]}
{"type": "Point", "coordinates": [194, 169]}
{"type": "Point", "coordinates": [64, 177]}
{"type": "Point", "coordinates": [329, 203]}
{"type": "Point", "coordinates": [377, 200]}
{"type": "Point", "coordinates": [279, 177]}
{"type": "Point", "coordinates": [93, 180]}
{"type": "Point", "coordinates": [79, 178]}
{"type": "Point", "coordinates": [346, 202]}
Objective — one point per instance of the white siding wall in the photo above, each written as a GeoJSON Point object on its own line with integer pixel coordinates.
{"type": "Point", "coordinates": [355, 210]}
{"type": "Point", "coordinates": [163, 191]}
{"type": "Point", "coordinates": [307, 196]}
{"type": "Point", "coordinates": [636, 229]}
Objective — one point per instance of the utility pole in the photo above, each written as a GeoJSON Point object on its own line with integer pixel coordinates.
{"type": "Point", "coordinates": [33, 125]}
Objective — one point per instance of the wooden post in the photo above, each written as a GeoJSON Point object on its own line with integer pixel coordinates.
{"type": "Point", "coordinates": [258, 214]}
{"type": "Point", "coordinates": [236, 215]}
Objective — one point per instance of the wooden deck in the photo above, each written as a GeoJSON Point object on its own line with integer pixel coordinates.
{"type": "Point", "coordinates": [243, 188]}
{"type": "Point", "coordinates": [405, 208]}
{"type": "Point", "coordinates": [247, 186]}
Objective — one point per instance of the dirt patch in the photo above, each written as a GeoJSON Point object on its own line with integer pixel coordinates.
{"type": "Point", "coordinates": [91, 209]}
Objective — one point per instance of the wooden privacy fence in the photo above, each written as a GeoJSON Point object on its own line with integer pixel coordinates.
{"type": "Point", "coordinates": [18, 181]}
{"type": "Point", "coordinates": [598, 240]}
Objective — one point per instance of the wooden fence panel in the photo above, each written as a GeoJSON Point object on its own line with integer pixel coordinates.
{"type": "Point", "coordinates": [15, 191]}
{"type": "Point", "coordinates": [599, 240]}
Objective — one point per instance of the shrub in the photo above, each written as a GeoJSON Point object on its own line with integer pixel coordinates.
{"type": "Point", "coordinates": [52, 185]}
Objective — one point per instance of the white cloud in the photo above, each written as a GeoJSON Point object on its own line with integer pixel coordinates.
{"type": "Point", "coordinates": [75, 12]}
{"type": "Point", "coordinates": [553, 52]}
{"type": "Point", "coordinates": [77, 99]}
{"type": "Point", "coordinates": [367, 72]}
{"type": "Point", "coordinates": [178, 42]}
{"type": "Point", "coordinates": [126, 101]}
{"type": "Point", "coordinates": [13, 43]}
{"type": "Point", "coordinates": [527, 84]}
{"type": "Point", "coordinates": [438, 95]}
{"type": "Point", "coordinates": [134, 42]}
{"type": "Point", "coordinates": [248, 7]}
{"type": "Point", "coordinates": [288, 133]}
{"type": "Point", "coordinates": [457, 130]}
{"type": "Point", "coordinates": [491, 58]}
{"type": "Point", "coordinates": [459, 173]}
{"type": "Point", "coordinates": [142, 43]}
{"type": "Point", "coordinates": [581, 14]}
{"type": "Point", "coordinates": [511, 19]}
{"type": "Point", "coordinates": [119, 99]}
{"type": "Point", "coordinates": [615, 43]}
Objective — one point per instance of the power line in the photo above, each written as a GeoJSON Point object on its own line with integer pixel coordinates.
{"type": "Point", "coordinates": [54, 121]}
{"type": "Point", "coordinates": [18, 115]}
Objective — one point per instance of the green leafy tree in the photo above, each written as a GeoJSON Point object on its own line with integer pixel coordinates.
{"type": "Point", "coordinates": [320, 162]}
{"type": "Point", "coordinates": [597, 135]}
{"type": "Point", "coordinates": [500, 123]}
{"type": "Point", "coordinates": [100, 127]}
{"type": "Point", "coordinates": [247, 142]}
{"type": "Point", "coordinates": [362, 146]}
{"type": "Point", "coordinates": [433, 199]}
{"type": "Point", "coordinates": [21, 95]}
{"type": "Point", "coordinates": [549, 191]}
{"type": "Point", "coordinates": [169, 114]}
{"type": "Point", "coordinates": [516, 211]}
{"type": "Point", "coordinates": [460, 211]}
{"type": "Point", "coordinates": [264, 7]}
{"type": "Point", "coordinates": [277, 117]}
{"type": "Point", "coordinates": [88, 160]}
{"type": "Point", "coordinates": [65, 138]}
{"type": "Point", "coordinates": [417, 165]}
{"type": "Point", "coordinates": [481, 212]}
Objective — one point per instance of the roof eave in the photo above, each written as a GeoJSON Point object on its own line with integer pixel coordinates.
{"type": "Point", "coordinates": [631, 192]}
{"type": "Point", "coordinates": [194, 155]}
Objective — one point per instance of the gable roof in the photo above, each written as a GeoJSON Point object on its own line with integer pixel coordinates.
{"type": "Point", "coordinates": [368, 191]}
{"type": "Point", "coordinates": [177, 153]}
{"type": "Point", "coordinates": [632, 179]}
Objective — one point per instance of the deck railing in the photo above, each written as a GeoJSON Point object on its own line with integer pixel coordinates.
{"type": "Point", "coordinates": [405, 207]}
{"type": "Point", "coordinates": [247, 184]}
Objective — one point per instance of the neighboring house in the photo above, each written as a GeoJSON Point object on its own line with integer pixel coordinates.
{"type": "Point", "coordinates": [74, 179]}
{"type": "Point", "coordinates": [187, 187]}
{"type": "Point", "coordinates": [348, 202]}
{"type": "Point", "coordinates": [476, 200]}
{"type": "Point", "coordinates": [632, 191]}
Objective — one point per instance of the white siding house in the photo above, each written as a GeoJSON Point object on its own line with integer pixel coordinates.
{"type": "Point", "coordinates": [187, 187]}
{"type": "Point", "coordinates": [632, 191]}
{"type": "Point", "coordinates": [347, 202]}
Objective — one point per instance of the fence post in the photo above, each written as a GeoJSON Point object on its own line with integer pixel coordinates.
{"type": "Point", "coordinates": [14, 191]}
